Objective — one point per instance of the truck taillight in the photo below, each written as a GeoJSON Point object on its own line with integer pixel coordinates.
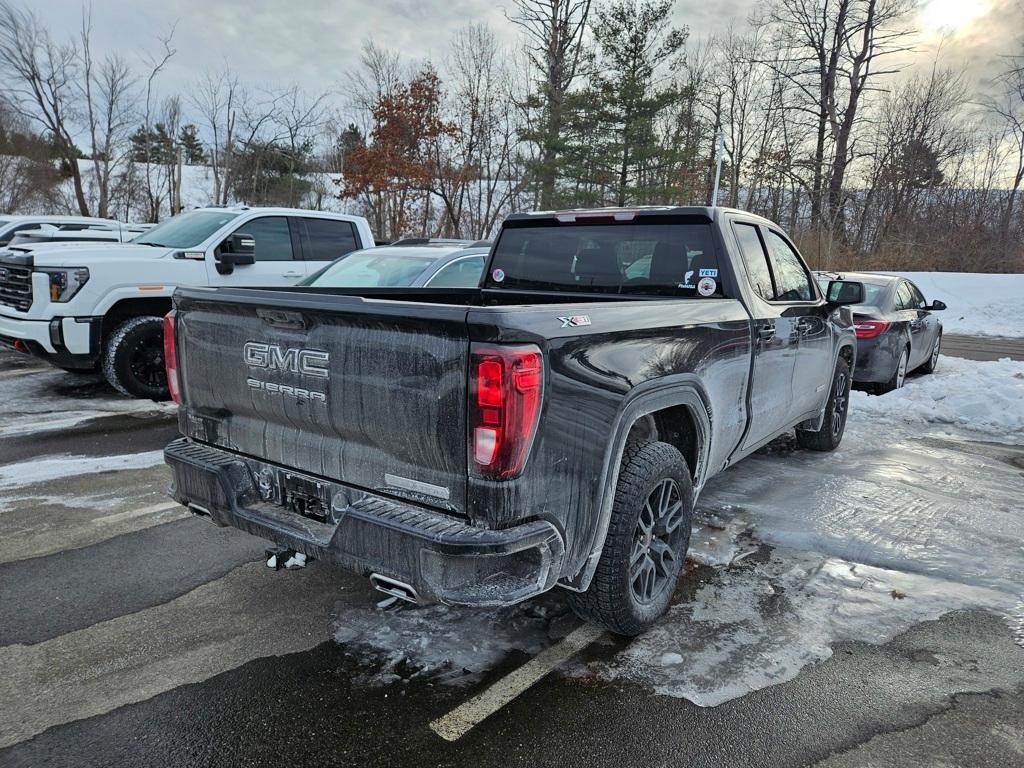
{"type": "Point", "coordinates": [506, 389]}
{"type": "Point", "coordinates": [869, 329]}
{"type": "Point", "coordinates": [171, 356]}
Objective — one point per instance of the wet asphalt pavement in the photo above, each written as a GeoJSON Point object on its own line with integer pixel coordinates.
{"type": "Point", "coordinates": [810, 630]}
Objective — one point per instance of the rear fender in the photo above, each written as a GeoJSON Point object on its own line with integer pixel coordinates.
{"type": "Point", "coordinates": [670, 391]}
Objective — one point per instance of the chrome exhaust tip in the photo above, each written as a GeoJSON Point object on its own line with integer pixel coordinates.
{"type": "Point", "coordinates": [395, 588]}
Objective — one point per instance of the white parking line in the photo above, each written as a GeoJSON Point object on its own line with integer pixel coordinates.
{"type": "Point", "coordinates": [460, 720]}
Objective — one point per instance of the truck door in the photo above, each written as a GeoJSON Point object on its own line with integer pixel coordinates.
{"type": "Point", "coordinates": [776, 341]}
{"type": "Point", "coordinates": [812, 373]}
{"type": "Point", "coordinates": [277, 263]}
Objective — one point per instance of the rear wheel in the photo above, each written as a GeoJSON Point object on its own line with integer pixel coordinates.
{"type": "Point", "coordinates": [933, 360]}
{"type": "Point", "coordinates": [833, 425]}
{"type": "Point", "coordinates": [133, 360]}
{"type": "Point", "coordinates": [898, 376]}
{"type": "Point", "coordinates": [648, 536]}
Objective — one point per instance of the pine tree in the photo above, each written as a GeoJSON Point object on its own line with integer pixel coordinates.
{"type": "Point", "coordinates": [636, 47]}
{"type": "Point", "coordinates": [192, 147]}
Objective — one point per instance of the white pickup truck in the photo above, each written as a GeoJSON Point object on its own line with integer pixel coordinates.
{"type": "Point", "coordinates": [90, 306]}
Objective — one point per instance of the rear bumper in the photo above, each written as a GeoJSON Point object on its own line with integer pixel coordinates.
{"type": "Point", "coordinates": [876, 360]}
{"type": "Point", "coordinates": [441, 557]}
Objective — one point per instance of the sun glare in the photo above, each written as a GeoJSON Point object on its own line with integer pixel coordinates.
{"type": "Point", "coordinates": [951, 15]}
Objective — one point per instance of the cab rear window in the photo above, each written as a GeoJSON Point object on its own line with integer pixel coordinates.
{"type": "Point", "coordinates": [656, 259]}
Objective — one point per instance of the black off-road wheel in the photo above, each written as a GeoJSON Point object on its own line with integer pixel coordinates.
{"type": "Point", "coordinates": [833, 425]}
{"type": "Point", "coordinates": [133, 359]}
{"type": "Point", "coordinates": [648, 536]}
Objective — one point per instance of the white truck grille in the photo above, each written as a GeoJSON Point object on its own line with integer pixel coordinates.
{"type": "Point", "coordinates": [15, 286]}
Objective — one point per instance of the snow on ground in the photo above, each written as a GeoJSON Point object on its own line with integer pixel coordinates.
{"type": "Point", "coordinates": [26, 473]}
{"type": "Point", "coordinates": [756, 626]}
{"type": "Point", "coordinates": [911, 518]}
{"type": "Point", "coordinates": [34, 401]}
{"type": "Point", "coordinates": [450, 644]}
{"type": "Point", "coordinates": [982, 397]}
{"type": "Point", "coordinates": [977, 304]}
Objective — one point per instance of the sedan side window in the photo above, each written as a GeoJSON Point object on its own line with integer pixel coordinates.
{"type": "Point", "coordinates": [792, 281]}
{"type": "Point", "coordinates": [462, 273]}
{"type": "Point", "coordinates": [916, 297]}
{"type": "Point", "coordinates": [273, 238]}
{"type": "Point", "coordinates": [755, 260]}
{"type": "Point", "coordinates": [904, 298]}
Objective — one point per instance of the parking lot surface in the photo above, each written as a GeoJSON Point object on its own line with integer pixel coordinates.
{"type": "Point", "coordinates": [864, 607]}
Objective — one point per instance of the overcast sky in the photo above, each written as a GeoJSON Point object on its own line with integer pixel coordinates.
{"type": "Point", "coordinates": [278, 42]}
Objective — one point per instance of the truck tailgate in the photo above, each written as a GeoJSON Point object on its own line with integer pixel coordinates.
{"type": "Point", "coordinates": [367, 392]}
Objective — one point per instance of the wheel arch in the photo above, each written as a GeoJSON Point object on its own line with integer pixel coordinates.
{"type": "Point", "coordinates": [156, 306]}
{"type": "Point", "coordinates": [674, 409]}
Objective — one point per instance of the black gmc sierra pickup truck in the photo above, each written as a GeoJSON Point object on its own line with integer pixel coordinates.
{"type": "Point", "coordinates": [553, 427]}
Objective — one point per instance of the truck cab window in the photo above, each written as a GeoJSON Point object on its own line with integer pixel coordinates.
{"type": "Point", "coordinates": [755, 260]}
{"type": "Point", "coordinates": [644, 259]}
{"type": "Point", "coordinates": [327, 240]}
{"type": "Point", "coordinates": [792, 282]}
{"type": "Point", "coordinates": [273, 238]}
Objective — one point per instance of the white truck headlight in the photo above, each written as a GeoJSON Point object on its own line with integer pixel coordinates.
{"type": "Point", "coordinates": [65, 282]}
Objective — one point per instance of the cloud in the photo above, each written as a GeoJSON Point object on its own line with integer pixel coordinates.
{"type": "Point", "coordinates": [275, 42]}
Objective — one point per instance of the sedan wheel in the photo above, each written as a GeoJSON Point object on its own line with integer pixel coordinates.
{"type": "Point", "coordinates": [901, 370]}
{"type": "Point", "coordinates": [933, 361]}
{"type": "Point", "coordinates": [898, 376]}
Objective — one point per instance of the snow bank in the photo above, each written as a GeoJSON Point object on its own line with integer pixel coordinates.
{"type": "Point", "coordinates": [983, 397]}
{"type": "Point", "coordinates": [978, 304]}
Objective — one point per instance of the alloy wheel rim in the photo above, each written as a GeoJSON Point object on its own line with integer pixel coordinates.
{"type": "Point", "coordinates": [653, 561]}
{"type": "Point", "coordinates": [935, 353]}
{"type": "Point", "coordinates": [901, 371]}
{"type": "Point", "coordinates": [147, 361]}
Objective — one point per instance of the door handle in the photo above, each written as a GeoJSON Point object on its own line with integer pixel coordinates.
{"type": "Point", "coordinates": [766, 332]}
{"type": "Point", "coordinates": [291, 274]}
{"type": "Point", "coordinates": [804, 325]}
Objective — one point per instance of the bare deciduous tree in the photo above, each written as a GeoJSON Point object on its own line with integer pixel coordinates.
{"type": "Point", "coordinates": [38, 77]}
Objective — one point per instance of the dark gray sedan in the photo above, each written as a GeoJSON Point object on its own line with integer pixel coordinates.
{"type": "Point", "coordinates": [896, 330]}
{"type": "Point", "coordinates": [407, 264]}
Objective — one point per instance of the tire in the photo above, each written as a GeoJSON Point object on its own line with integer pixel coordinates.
{"type": "Point", "coordinates": [628, 600]}
{"type": "Point", "coordinates": [898, 376]}
{"type": "Point", "coordinates": [133, 359]}
{"type": "Point", "coordinates": [933, 360]}
{"type": "Point", "coordinates": [833, 425]}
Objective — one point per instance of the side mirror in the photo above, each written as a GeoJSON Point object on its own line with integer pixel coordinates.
{"type": "Point", "coordinates": [842, 293]}
{"type": "Point", "coordinates": [239, 250]}
{"type": "Point", "coordinates": [937, 306]}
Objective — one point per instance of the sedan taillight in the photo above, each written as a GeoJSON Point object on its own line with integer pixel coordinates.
{"type": "Point", "coordinates": [869, 329]}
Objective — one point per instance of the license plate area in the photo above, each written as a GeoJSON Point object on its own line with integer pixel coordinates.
{"type": "Point", "coordinates": [304, 496]}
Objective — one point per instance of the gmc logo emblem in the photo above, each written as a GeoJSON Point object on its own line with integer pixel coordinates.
{"type": "Point", "coordinates": [309, 362]}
